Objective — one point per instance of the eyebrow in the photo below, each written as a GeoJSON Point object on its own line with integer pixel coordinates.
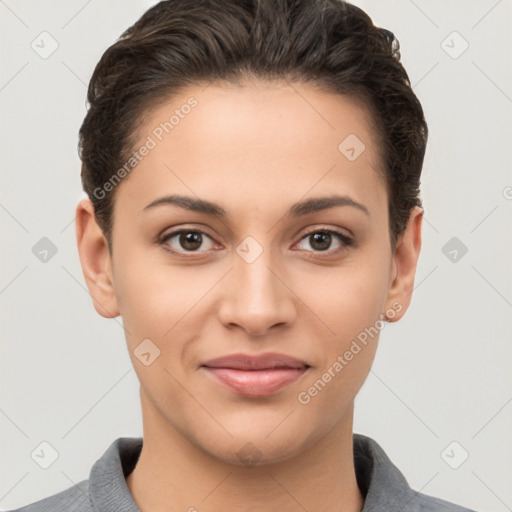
{"type": "Point", "coordinates": [299, 209]}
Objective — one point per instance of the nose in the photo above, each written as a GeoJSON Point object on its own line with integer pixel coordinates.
{"type": "Point", "coordinates": [256, 296]}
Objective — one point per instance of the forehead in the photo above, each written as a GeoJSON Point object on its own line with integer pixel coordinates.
{"type": "Point", "coordinates": [260, 139]}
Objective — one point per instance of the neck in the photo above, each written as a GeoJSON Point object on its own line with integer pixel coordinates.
{"type": "Point", "coordinates": [172, 474]}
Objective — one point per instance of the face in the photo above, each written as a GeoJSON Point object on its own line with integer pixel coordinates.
{"type": "Point", "coordinates": [266, 265]}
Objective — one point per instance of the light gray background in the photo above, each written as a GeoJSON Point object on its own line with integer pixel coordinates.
{"type": "Point", "coordinates": [441, 374]}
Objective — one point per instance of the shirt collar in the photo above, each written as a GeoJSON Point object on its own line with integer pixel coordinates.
{"type": "Point", "coordinates": [107, 484]}
{"type": "Point", "coordinates": [383, 486]}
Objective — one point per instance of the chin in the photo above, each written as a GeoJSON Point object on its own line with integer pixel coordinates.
{"type": "Point", "coordinates": [247, 450]}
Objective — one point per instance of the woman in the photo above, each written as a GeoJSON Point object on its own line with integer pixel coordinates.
{"type": "Point", "coordinates": [253, 214]}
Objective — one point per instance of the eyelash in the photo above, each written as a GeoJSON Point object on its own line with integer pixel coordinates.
{"type": "Point", "coordinates": [344, 239]}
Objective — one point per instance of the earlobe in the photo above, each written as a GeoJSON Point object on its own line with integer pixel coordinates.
{"type": "Point", "coordinates": [405, 260]}
{"type": "Point", "coordinates": [95, 260]}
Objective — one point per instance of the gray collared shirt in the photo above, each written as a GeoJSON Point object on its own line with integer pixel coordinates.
{"type": "Point", "coordinates": [383, 486]}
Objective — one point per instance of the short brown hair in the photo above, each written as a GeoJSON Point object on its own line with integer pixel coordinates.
{"type": "Point", "coordinates": [330, 43]}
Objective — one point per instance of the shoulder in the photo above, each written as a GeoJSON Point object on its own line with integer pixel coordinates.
{"type": "Point", "coordinates": [426, 503]}
{"type": "Point", "coordinates": [385, 487]}
{"type": "Point", "coordinates": [73, 499]}
{"type": "Point", "coordinates": [106, 486]}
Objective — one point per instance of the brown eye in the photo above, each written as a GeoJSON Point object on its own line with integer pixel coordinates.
{"type": "Point", "coordinates": [322, 239]}
{"type": "Point", "coordinates": [187, 240]}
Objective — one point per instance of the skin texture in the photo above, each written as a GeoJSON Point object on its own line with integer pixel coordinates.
{"type": "Point", "coordinates": [255, 150]}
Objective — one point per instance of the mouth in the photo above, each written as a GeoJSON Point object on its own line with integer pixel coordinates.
{"type": "Point", "coordinates": [255, 375]}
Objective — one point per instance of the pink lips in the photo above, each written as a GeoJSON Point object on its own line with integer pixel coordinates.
{"type": "Point", "coordinates": [256, 375]}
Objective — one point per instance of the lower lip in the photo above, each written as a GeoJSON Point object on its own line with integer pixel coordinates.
{"type": "Point", "coordinates": [256, 382]}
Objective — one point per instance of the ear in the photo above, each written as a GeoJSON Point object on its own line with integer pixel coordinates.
{"type": "Point", "coordinates": [95, 260]}
{"type": "Point", "coordinates": [403, 267]}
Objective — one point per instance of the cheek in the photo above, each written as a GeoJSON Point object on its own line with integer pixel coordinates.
{"type": "Point", "coordinates": [332, 390]}
{"type": "Point", "coordinates": [352, 298]}
{"type": "Point", "coordinates": [160, 303]}
{"type": "Point", "coordinates": [345, 360]}
{"type": "Point", "coordinates": [153, 297]}
{"type": "Point", "coordinates": [351, 307]}
{"type": "Point", "coordinates": [154, 301]}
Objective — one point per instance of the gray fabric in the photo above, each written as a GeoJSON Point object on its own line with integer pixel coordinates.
{"type": "Point", "coordinates": [383, 485]}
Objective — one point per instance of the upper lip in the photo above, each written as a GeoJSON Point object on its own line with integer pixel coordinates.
{"type": "Point", "coordinates": [259, 362]}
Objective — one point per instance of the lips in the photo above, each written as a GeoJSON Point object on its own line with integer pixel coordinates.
{"type": "Point", "coordinates": [260, 362]}
{"type": "Point", "coordinates": [255, 375]}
